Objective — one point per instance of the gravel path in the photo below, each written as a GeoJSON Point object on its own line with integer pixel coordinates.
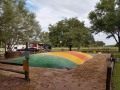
{"type": "Point", "coordinates": [89, 76]}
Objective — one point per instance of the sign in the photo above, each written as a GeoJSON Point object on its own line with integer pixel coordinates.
{"type": "Point", "coordinates": [25, 65]}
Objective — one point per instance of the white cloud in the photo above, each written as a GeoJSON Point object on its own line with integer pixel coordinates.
{"type": "Point", "coordinates": [51, 11]}
{"type": "Point", "coordinates": [57, 9]}
{"type": "Point", "coordinates": [102, 37]}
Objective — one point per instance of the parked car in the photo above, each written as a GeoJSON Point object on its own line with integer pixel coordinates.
{"type": "Point", "coordinates": [46, 47]}
{"type": "Point", "coordinates": [20, 50]}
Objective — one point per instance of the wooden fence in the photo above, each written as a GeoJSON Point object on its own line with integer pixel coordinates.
{"type": "Point", "coordinates": [25, 68]}
{"type": "Point", "coordinates": [110, 69]}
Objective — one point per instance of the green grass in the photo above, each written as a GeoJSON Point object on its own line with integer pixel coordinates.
{"type": "Point", "coordinates": [116, 74]}
{"type": "Point", "coordinates": [88, 49]}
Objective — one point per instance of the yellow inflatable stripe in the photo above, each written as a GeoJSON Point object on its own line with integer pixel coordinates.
{"type": "Point", "coordinates": [68, 56]}
{"type": "Point", "coordinates": [87, 55]}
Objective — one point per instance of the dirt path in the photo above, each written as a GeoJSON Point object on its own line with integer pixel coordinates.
{"type": "Point", "coordinates": [89, 76]}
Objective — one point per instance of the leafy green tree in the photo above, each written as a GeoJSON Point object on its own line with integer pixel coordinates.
{"type": "Point", "coordinates": [17, 23]}
{"type": "Point", "coordinates": [98, 44]}
{"type": "Point", "coordinates": [106, 18]}
{"type": "Point", "coordinates": [57, 34]}
{"type": "Point", "coordinates": [70, 32]}
{"type": "Point", "coordinates": [44, 37]}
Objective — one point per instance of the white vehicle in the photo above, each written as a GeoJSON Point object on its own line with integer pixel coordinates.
{"type": "Point", "coordinates": [17, 47]}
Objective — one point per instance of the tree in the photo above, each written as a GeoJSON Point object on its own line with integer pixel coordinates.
{"type": "Point", "coordinates": [70, 32]}
{"type": "Point", "coordinates": [44, 37]}
{"type": "Point", "coordinates": [17, 23]}
{"type": "Point", "coordinates": [106, 18]}
{"type": "Point", "coordinates": [98, 43]}
{"type": "Point", "coordinates": [57, 34]}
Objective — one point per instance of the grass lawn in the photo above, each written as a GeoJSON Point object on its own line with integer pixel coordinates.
{"type": "Point", "coordinates": [116, 75]}
{"type": "Point", "coordinates": [88, 49]}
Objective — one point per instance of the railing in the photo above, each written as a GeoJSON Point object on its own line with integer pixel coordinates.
{"type": "Point", "coordinates": [110, 69]}
{"type": "Point", "coordinates": [25, 68]}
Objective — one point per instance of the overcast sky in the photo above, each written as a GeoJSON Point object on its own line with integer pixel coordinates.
{"type": "Point", "coordinates": [51, 11]}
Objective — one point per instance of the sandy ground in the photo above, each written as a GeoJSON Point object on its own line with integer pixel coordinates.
{"type": "Point", "coordinates": [89, 76]}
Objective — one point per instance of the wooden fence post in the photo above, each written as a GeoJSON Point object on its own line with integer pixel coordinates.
{"type": "Point", "coordinates": [108, 80]}
{"type": "Point", "coordinates": [26, 69]}
{"type": "Point", "coordinates": [26, 63]}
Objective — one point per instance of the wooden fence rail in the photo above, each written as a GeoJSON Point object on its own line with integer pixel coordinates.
{"type": "Point", "coordinates": [21, 72]}
{"type": "Point", "coordinates": [25, 68]}
{"type": "Point", "coordinates": [9, 63]}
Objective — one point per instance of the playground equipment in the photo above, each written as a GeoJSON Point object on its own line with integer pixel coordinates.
{"type": "Point", "coordinates": [59, 60]}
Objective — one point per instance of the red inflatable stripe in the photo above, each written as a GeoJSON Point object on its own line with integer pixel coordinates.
{"type": "Point", "coordinates": [79, 55]}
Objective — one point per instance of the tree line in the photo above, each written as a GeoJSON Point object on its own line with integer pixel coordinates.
{"type": "Point", "coordinates": [18, 25]}
{"type": "Point", "coordinates": [70, 32]}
